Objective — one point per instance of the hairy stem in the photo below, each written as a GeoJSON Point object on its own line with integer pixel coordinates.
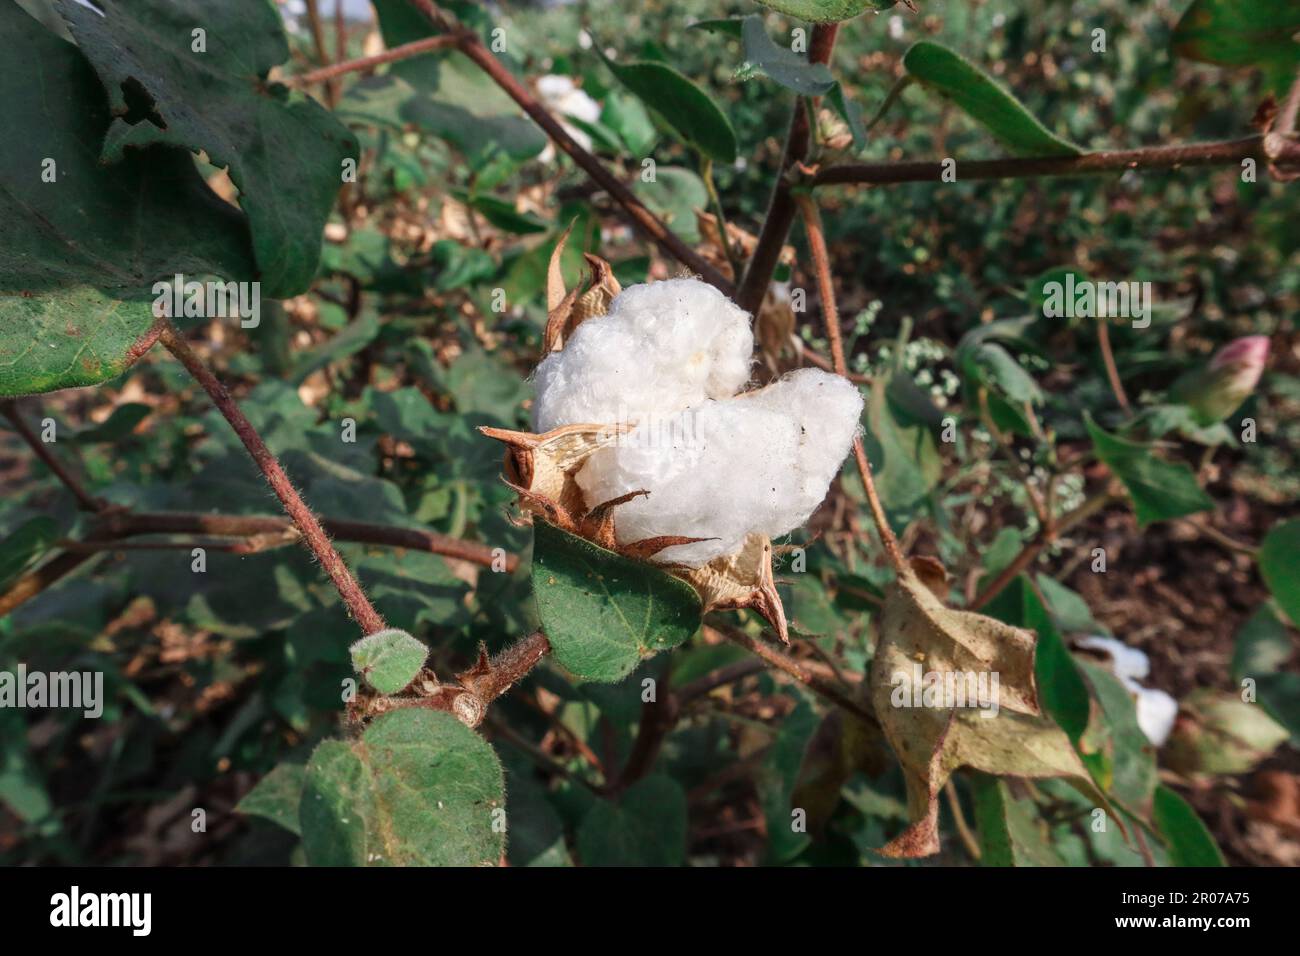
{"type": "Point", "coordinates": [313, 534]}
{"type": "Point", "coordinates": [85, 500]}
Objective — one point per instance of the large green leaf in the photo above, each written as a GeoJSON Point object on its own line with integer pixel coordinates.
{"type": "Point", "coordinates": [277, 796]}
{"type": "Point", "coordinates": [82, 252]}
{"type": "Point", "coordinates": [1011, 830]}
{"type": "Point", "coordinates": [1279, 563]}
{"type": "Point", "coordinates": [646, 826]}
{"type": "Point", "coordinates": [602, 612]}
{"type": "Point", "coordinates": [682, 105]}
{"type": "Point", "coordinates": [284, 151]}
{"type": "Point", "coordinates": [790, 69]}
{"type": "Point", "coordinates": [418, 788]}
{"type": "Point", "coordinates": [1236, 33]}
{"type": "Point", "coordinates": [1160, 489]}
{"type": "Point", "coordinates": [983, 100]}
{"type": "Point", "coordinates": [826, 11]}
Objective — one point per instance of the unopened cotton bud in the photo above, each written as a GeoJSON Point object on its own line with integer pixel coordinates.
{"type": "Point", "coordinates": [759, 463]}
{"type": "Point", "coordinates": [1215, 392]}
{"type": "Point", "coordinates": [660, 348]}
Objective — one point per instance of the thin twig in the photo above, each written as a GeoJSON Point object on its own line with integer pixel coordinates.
{"type": "Point", "coordinates": [830, 311]}
{"type": "Point", "coordinates": [1151, 157]}
{"type": "Point", "coordinates": [959, 818]}
{"type": "Point", "coordinates": [314, 535]}
{"type": "Point", "coordinates": [781, 207]}
{"type": "Point", "coordinates": [362, 64]}
{"type": "Point", "coordinates": [1112, 370]}
{"type": "Point", "coordinates": [85, 500]}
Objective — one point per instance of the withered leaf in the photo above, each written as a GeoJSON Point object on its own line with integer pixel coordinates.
{"type": "Point", "coordinates": [956, 689]}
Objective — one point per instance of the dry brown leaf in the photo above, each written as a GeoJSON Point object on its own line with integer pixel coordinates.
{"type": "Point", "coordinates": [933, 737]}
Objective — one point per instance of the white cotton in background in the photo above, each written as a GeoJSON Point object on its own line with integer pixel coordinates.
{"type": "Point", "coordinates": [561, 96]}
{"type": "Point", "coordinates": [758, 463]}
{"type": "Point", "coordinates": [1127, 663]}
{"type": "Point", "coordinates": [662, 347]}
{"type": "Point", "coordinates": [1156, 710]}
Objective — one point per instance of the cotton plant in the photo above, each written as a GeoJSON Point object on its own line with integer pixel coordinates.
{"type": "Point", "coordinates": [563, 97]}
{"type": "Point", "coordinates": [1156, 710]}
{"type": "Point", "coordinates": [649, 444]}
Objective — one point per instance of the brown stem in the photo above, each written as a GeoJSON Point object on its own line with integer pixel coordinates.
{"type": "Point", "coordinates": [403, 52]}
{"type": "Point", "coordinates": [1112, 370]}
{"type": "Point", "coordinates": [1036, 544]}
{"type": "Point", "coordinates": [34, 582]}
{"type": "Point", "coordinates": [85, 500]}
{"type": "Point", "coordinates": [781, 207]}
{"type": "Point", "coordinates": [499, 673]}
{"type": "Point", "coordinates": [1150, 157]}
{"type": "Point", "coordinates": [826, 290]}
{"type": "Point", "coordinates": [959, 818]}
{"type": "Point", "coordinates": [788, 665]}
{"type": "Point", "coordinates": [322, 55]}
{"type": "Point", "coordinates": [316, 538]}
{"type": "Point", "coordinates": [658, 718]}
{"type": "Point", "coordinates": [647, 222]}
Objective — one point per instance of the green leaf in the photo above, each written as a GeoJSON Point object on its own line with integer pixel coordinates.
{"type": "Point", "coordinates": [682, 105]}
{"type": "Point", "coordinates": [25, 545]}
{"type": "Point", "coordinates": [1115, 748]}
{"type": "Point", "coordinates": [1220, 733]}
{"type": "Point", "coordinates": [646, 826]}
{"type": "Point", "coordinates": [674, 195]}
{"type": "Point", "coordinates": [1263, 645]}
{"type": "Point", "coordinates": [782, 64]}
{"type": "Point", "coordinates": [826, 11]}
{"type": "Point", "coordinates": [1011, 830]}
{"type": "Point", "coordinates": [1279, 563]}
{"type": "Point", "coordinates": [418, 788]}
{"type": "Point", "coordinates": [82, 251]}
{"type": "Point", "coordinates": [603, 612]}
{"type": "Point", "coordinates": [1261, 33]}
{"type": "Point", "coordinates": [118, 426]}
{"type": "Point", "coordinates": [277, 796]}
{"type": "Point", "coordinates": [505, 216]}
{"type": "Point", "coordinates": [982, 99]}
{"type": "Point", "coordinates": [904, 458]}
{"type": "Point", "coordinates": [1160, 489]}
{"type": "Point", "coordinates": [1190, 843]}
{"type": "Point", "coordinates": [283, 150]}
{"type": "Point", "coordinates": [388, 660]}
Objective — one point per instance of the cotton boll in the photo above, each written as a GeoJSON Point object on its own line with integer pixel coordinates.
{"type": "Point", "coordinates": [662, 347]}
{"type": "Point", "coordinates": [759, 463]}
{"type": "Point", "coordinates": [1156, 711]}
{"type": "Point", "coordinates": [560, 95]}
{"type": "Point", "coordinates": [1127, 663]}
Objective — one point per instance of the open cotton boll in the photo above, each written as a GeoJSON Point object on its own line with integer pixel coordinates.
{"type": "Point", "coordinates": [1156, 711]}
{"type": "Point", "coordinates": [1127, 663]}
{"type": "Point", "coordinates": [661, 347]}
{"type": "Point", "coordinates": [560, 95]}
{"type": "Point", "coordinates": [759, 463]}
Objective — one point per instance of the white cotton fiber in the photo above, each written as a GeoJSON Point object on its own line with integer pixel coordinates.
{"type": "Point", "coordinates": [662, 347]}
{"type": "Point", "coordinates": [1127, 663]}
{"type": "Point", "coordinates": [563, 97]}
{"type": "Point", "coordinates": [1156, 710]}
{"type": "Point", "coordinates": [758, 463]}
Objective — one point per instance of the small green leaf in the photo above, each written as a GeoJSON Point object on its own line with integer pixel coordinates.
{"type": "Point", "coordinates": [419, 788]}
{"type": "Point", "coordinates": [983, 100]}
{"type": "Point", "coordinates": [1011, 830]}
{"type": "Point", "coordinates": [782, 64]}
{"type": "Point", "coordinates": [646, 826]}
{"type": "Point", "coordinates": [277, 796]}
{"type": "Point", "coordinates": [1263, 644]}
{"type": "Point", "coordinates": [505, 216]}
{"type": "Point", "coordinates": [1279, 563]}
{"type": "Point", "coordinates": [682, 105]}
{"type": "Point", "coordinates": [1260, 33]}
{"type": "Point", "coordinates": [388, 660]}
{"type": "Point", "coordinates": [1160, 489]}
{"type": "Point", "coordinates": [1190, 843]}
{"type": "Point", "coordinates": [1219, 733]}
{"type": "Point", "coordinates": [674, 196]}
{"type": "Point", "coordinates": [602, 612]}
{"type": "Point", "coordinates": [827, 11]}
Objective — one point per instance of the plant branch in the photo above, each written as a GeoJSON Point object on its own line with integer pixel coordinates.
{"type": "Point", "coordinates": [85, 500]}
{"type": "Point", "coordinates": [315, 537]}
{"type": "Point", "coordinates": [781, 207]}
{"type": "Point", "coordinates": [1150, 157]}
{"type": "Point", "coordinates": [1112, 370]}
{"type": "Point", "coordinates": [830, 311]}
{"type": "Point", "coordinates": [647, 222]}
{"type": "Point", "coordinates": [362, 64]}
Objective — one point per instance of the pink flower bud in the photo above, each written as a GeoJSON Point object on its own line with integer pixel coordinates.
{"type": "Point", "coordinates": [1233, 372]}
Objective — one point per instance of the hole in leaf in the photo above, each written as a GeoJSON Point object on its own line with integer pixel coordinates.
{"type": "Point", "coordinates": [140, 106]}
